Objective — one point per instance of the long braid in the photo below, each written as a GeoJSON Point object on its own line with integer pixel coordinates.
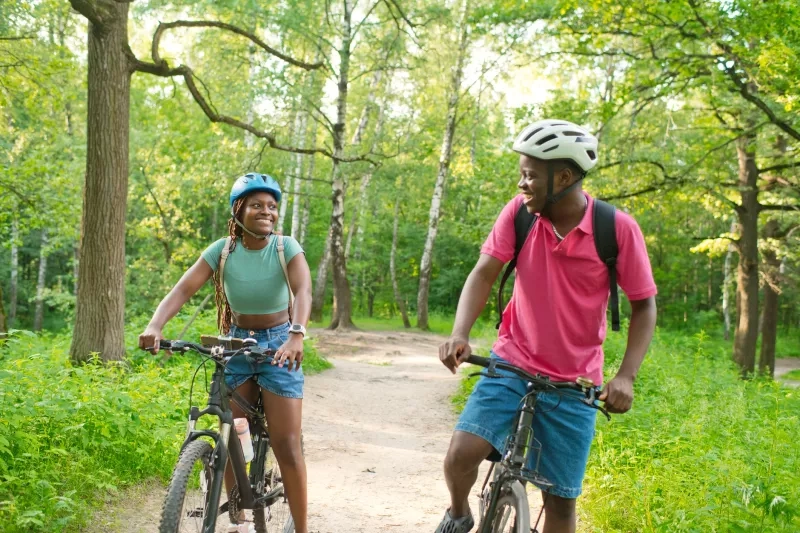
{"type": "Point", "coordinates": [224, 314]}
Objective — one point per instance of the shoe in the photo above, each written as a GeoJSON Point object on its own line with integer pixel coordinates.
{"type": "Point", "coordinates": [244, 527]}
{"type": "Point", "coordinates": [458, 525]}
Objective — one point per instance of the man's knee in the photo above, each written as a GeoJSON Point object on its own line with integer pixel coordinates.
{"type": "Point", "coordinates": [466, 452]}
{"type": "Point", "coordinates": [560, 508]}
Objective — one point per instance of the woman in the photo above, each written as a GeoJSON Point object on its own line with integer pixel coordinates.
{"type": "Point", "coordinates": [253, 301]}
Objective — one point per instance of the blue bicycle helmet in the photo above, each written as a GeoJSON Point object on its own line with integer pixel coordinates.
{"type": "Point", "coordinates": [254, 182]}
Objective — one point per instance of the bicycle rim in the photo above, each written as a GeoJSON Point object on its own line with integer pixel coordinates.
{"type": "Point", "coordinates": [276, 518]}
{"type": "Point", "coordinates": [507, 518]}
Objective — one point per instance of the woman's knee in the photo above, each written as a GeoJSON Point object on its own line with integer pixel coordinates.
{"type": "Point", "coordinates": [560, 508]}
{"type": "Point", "coordinates": [288, 449]}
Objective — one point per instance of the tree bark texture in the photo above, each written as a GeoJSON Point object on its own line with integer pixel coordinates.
{"type": "Point", "coordinates": [38, 317]}
{"type": "Point", "coordinates": [100, 308]}
{"type": "Point", "coordinates": [769, 314]}
{"type": "Point", "coordinates": [398, 298]}
{"type": "Point", "coordinates": [426, 262]}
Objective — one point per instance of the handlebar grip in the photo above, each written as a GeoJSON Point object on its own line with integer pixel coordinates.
{"type": "Point", "coordinates": [165, 344]}
{"type": "Point", "coordinates": [478, 360]}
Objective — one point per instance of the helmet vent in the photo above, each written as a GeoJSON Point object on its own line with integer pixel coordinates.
{"type": "Point", "coordinates": [550, 149]}
{"type": "Point", "coordinates": [591, 154]}
{"type": "Point", "coordinates": [573, 133]}
{"type": "Point", "coordinates": [546, 139]}
{"type": "Point", "coordinates": [531, 134]}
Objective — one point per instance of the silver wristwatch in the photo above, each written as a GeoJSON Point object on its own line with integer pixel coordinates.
{"type": "Point", "coordinates": [297, 328]}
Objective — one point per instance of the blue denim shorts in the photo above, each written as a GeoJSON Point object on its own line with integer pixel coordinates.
{"type": "Point", "coordinates": [562, 425]}
{"type": "Point", "coordinates": [269, 377]}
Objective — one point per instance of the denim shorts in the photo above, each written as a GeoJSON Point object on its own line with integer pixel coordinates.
{"type": "Point", "coordinates": [562, 425]}
{"type": "Point", "coordinates": [269, 377]}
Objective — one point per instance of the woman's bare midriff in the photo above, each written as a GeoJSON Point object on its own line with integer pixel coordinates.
{"type": "Point", "coordinates": [260, 321]}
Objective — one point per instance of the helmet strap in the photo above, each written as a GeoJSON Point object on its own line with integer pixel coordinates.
{"type": "Point", "coordinates": [553, 198]}
{"type": "Point", "coordinates": [255, 235]}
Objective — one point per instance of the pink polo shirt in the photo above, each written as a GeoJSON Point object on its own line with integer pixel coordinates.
{"type": "Point", "coordinates": [555, 322]}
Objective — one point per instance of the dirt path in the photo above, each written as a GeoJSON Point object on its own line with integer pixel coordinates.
{"type": "Point", "coordinates": [784, 366]}
{"type": "Point", "coordinates": [376, 429]}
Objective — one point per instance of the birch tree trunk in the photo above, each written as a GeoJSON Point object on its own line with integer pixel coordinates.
{"type": "Point", "coordinates": [100, 308]}
{"type": "Point", "coordinates": [444, 165]}
{"type": "Point", "coordinates": [40, 283]}
{"type": "Point", "coordinates": [398, 298]}
{"type": "Point", "coordinates": [342, 305]}
{"type": "Point", "coordinates": [12, 306]}
{"type": "Point", "coordinates": [746, 335]}
{"type": "Point", "coordinates": [289, 185]}
{"type": "Point", "coordinates": [356, 223]}
{"type": "Point", "coordinates": [298, 173]}
{"type": "Point", "coordinates": [318, 298]}
{"type": "Point", "coordinates": [306, 200]}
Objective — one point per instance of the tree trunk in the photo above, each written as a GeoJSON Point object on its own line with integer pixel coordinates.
{"type": "Point", "coordinates": [769, 315]}
{"type": "Point", "coordinates": [307, 199]}
{"type": "Point", "coordinates": [401, 304]}
{"type": "Point", "coordinates": [318, 299]}
{"type": "Point", "coordinates": [76, 267]}
{"type": "Point", "coordinates": [298, 173]}
{"type": "Point", "coordinates": [40, 283]}
{"type": "Point", "coordinates": [288, 185]}
{"type": "Point", "coordinates": [444, 164]}
{"type": "Point", "coordinates": [746, 335]}
{"type": "Point", "coordinates": [727, 285]}
{"type": "Point", "coordinates": [100, 309]}
{"type": "Point", "coordinates": [342, 309]}
{"type": "Point", "coordinates": [14, 290]}
{"type": "Point", "coordinates": [356, 224]}
{"type": "Point", "coordinates": [3, 320]}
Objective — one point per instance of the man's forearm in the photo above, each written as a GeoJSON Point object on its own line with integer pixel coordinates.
{"type": "Point", "coordinates": [640, 333]}
{"type": "Point", "coordinates": [473, 299]}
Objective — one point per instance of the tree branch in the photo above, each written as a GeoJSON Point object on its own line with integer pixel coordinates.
{"type": "Point", "coordinates": [15, 37]}
{"type": "Point", "coordinates": [88, 9]}
{"type": "Point", "coordinates": [763, 207]}
{"type": "Point", "coordinates": [778, 168]}
{"type": "Point", "coordinates": [162, 27]}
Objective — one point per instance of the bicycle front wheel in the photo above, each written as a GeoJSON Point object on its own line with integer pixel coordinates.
{"type": "Point", "coordinates": [511, 514]}
{"type": "Point", "coordinates": [187, 504]}
{"type": "Point", "coordinates": [276, 517]}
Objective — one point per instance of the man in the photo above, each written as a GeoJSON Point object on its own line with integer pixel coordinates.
{"type": "Point", "coordinates": [554, 323]}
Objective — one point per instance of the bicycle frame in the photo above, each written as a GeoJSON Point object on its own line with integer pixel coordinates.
{"type": "Point", "coordinates": [227, 446]}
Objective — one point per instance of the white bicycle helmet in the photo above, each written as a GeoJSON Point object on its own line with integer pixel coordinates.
{"type": "Point", "coordinates": [558, 139]}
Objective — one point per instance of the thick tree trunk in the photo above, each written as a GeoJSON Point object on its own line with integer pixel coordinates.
{"type": "Point", "coordinates": [744, 344]}
{"type": "Point", "coordinates": [342, 308]}
{"type": "Point", "coordinates": [398, 298]}
{"type": "Point", "coordinates": [100, 309]}
{"type": "Point", "coordinates": [76, 267]}
{"type": "Point", "coordinates": [14, 289]}
{"type": "Point", "coordinates": [40, 284]}
{"type": "Point", "coordinates": [444, 164]}
{"type": "Point", "coordinates": [769, 315]}
{"type": "Point", "coordinates": [727, 286]}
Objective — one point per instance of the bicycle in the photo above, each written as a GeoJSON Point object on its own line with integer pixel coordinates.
{"type": "Point", "coordinates": [503, 494]}
{"type": "Point", "coordinates": [192, 500]}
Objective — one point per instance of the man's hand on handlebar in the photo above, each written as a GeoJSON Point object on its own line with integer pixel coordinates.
{"type": "Point", "coordinates": [150, 339]}
{"type": "Point", "coordinates": [454, 351]}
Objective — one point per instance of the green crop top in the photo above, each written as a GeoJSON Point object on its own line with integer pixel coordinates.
{"type": "Point", "coordinates": [254, 280]}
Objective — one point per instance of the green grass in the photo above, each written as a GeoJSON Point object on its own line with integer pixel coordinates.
{"type": "Point", "coordinates": [70, 436]}
{"type": "Point", "coordinates": [793, 375]}
{"type": "Point", "coordinates": [701, 451]}
{"type": "Point", "coordinates": [441, 324]}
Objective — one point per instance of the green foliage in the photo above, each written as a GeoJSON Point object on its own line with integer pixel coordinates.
{"type": "Point", "coordinates": [72, 435]}
{"type": "Point", "coordinates": [701, 450]}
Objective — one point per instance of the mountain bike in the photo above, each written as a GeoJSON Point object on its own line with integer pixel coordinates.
{"type": "Point", "coordinates": [503, 499]}
{"type": "Point", "coordinates": [192, 502]}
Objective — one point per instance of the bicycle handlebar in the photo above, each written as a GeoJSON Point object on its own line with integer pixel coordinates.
{"type": "Point", "coordinates": [542, 383]}
{"type": "Point", "coordinates": [216, 352]}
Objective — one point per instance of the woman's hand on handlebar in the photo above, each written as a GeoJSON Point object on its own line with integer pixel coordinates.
{"type": "Point", "coordinates": [291, 351]}
{"type": "Point", "coordinates": [150, 339]}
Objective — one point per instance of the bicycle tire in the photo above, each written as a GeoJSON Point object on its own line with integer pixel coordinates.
{"type": "Point", "coordinates": [174, 512]}
{"type": "Point", "coordinates": [516, 501]}
{"type": "Point", "coordinates": [277, 518]}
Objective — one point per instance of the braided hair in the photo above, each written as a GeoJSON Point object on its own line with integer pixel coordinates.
{"type": "Point", "coordinates": [224, 314]}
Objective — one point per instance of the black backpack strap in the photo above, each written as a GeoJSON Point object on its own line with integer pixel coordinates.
{"type": "Point", "coordinates": [523, 222]}
{"type": "Point", "coordinates": [605, 240]}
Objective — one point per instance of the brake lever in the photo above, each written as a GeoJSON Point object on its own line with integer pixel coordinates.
{"type": "Point", "coordinates": [592, 402]}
